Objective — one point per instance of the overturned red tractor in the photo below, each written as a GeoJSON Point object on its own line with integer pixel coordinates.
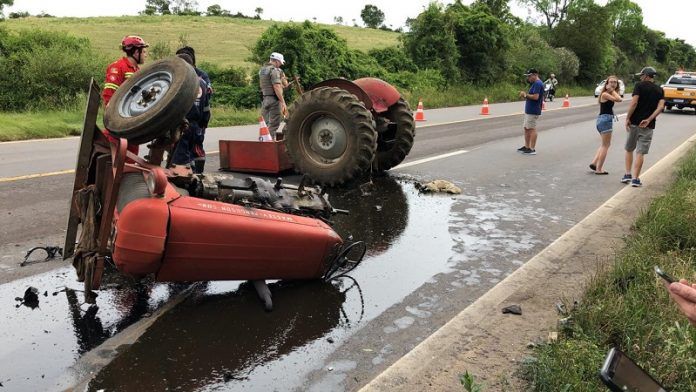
{"type": "Point", "coordinates": [174, 225]}
{"type": "Point", "coordinates": [340, 130]}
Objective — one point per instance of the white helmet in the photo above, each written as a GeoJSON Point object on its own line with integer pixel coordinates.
{"type": "Point", "coordinates": [278, 56]}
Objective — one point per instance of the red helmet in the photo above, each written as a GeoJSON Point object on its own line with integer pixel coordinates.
{"type": "Point", "coordinates": [133, 41]}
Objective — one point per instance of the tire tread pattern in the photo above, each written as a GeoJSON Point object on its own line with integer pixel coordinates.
{"type": "Point", "coordinates": [401, 114]}
{"type": "Point", "coordinates": [357, 121]}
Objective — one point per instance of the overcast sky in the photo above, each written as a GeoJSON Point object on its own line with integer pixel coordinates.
{"type": "Point", "coordinates": [674, 17]}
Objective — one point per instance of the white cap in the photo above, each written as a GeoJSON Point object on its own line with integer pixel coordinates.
{"type": "Point", "coordinates": [278, 56]}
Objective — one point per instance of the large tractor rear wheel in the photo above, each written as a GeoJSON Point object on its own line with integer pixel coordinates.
{"type": "Point", "coordinates": [330, 136]}
{"type": "Point", "coordinates": [395, 137]}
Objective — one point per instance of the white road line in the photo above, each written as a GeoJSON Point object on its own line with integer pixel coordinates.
{"type": "Point", "coordinates": [421, 126]}
{"type": "Point", "coordinates": [498, 116]}
{"type": "Point", "coordinates": [430, 159]}
{"type": "Point", "coordinates": [405, 165]}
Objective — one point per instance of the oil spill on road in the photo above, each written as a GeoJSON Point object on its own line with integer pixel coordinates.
{"type": "Point", "coordinates": [220, 338]}
{"type": "Point", "coordinates": [40, 344]}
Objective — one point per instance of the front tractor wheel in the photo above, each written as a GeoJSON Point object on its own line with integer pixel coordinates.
{"type": "Point", "coordinates": [397, 130]}
{"type": "Point", "coordinates": [329, 136]}
{"type": "Point", "coordinates": [153, 101]}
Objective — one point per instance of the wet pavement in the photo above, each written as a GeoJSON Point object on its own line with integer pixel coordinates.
{"type": "Point", "coordinates": [429, 256]}
{"type": "Point", "coordinates": [40, 343]}
{"type": "Point", "coordinates": [221, 338]}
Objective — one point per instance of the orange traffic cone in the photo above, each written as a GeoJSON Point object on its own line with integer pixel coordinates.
{"type": "Point", "coordinates": [264, 135]}
{"type": "Point", "coordinates": [484, 107]}
{"type": "Point", "coordinates": [420, 115]}
{"type": "Point", "coordinates": [566, 102]}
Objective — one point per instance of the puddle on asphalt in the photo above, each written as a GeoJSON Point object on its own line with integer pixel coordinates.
{"type": "Point", "coordinates": [221, 339]}
{"type": "Point", "coordinates": [40, 344]}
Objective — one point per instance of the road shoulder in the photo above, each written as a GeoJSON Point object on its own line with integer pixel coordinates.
{"type": "Point", "coordinates": [489, 344]}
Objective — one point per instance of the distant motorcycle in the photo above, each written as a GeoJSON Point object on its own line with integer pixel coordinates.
{"type": "Point", "coordinates": [549, 92]}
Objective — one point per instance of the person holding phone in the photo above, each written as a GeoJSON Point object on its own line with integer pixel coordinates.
{"type": "Point", "coordinates": [684, 294]}
{"type": "Point", "coordinates": [605, 122]}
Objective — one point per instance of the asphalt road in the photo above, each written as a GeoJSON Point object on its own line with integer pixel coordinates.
{"type": "Point", "coordinates": [429, 256]}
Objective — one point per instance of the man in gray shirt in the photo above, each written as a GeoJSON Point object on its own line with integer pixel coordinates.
{"type": "Point", "coordinates": [272, 80]}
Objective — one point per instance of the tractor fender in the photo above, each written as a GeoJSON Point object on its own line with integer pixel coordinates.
{"type": "Point", "coordinates": [351, 87]}
{"type": "Point", "coordinates": [141, 235]}
{"type": "Point", "coordinates": [376, 94]}
{"type": "Point", "coordinates": [382, 94]}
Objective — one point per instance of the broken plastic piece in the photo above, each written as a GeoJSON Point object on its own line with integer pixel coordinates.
{"type": "Point", "coordinates": [513, 309]}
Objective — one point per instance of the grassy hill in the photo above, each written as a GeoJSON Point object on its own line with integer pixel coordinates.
{"type": "Point", "coordinates": [218, 40]}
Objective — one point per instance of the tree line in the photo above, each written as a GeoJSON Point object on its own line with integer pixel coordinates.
{"type": "Point", "coordinates": [457, 45]}
{"type": "Point", "coordinates": [578, 39]}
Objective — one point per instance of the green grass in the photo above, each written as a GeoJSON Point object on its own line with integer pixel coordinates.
{"type": "Point", "coordinates": [61, 123]}
{"type": "Point", "coordinates": [217, 40]}
{"type": "Point", "coordinates": [220, 41]}
{"type": "Point", "coordinates": [628, 307]}
{"type": "Point", "coordinates": [41, 124]}
{"type": "Point", "coordinates": [223, 116]}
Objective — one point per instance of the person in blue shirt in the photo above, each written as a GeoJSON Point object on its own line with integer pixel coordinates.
{"type": "Point", "coordinates": [532, 110]}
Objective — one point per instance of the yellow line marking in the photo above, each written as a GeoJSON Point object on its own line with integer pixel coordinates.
{"type": "Point", "coordinates": [39, 140]}
{"type": "Point", "coordinates": [29, 176]}
{"type": "Point", "coordinates": [57, 173]}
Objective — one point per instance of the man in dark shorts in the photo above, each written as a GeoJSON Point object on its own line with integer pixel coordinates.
{"type": "Point", "coordinates": [646, 104]}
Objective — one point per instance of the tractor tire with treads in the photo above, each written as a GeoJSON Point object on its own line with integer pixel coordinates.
{"type": "Point", "coordinates": [395, 142]}
{"type": "Point", "coordinates": [330, 136]}
{"type": "Point", "coordinates": [139, 117]}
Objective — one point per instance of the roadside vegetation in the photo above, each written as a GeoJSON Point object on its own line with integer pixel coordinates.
{"type": "Point", "coordinates": [449, 55]}
{"type": "Point", "coordinates": [628, 307]}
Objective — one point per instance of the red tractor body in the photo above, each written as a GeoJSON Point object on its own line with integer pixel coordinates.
{"type": "Point", "coordinates": [208, 240]}
{"type": "Point", "coordinates": [178, 226]}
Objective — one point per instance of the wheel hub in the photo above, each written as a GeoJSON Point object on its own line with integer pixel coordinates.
{"type": "Point", "coordinates": [146, 94]}
{"type": "Point", "coordinates": [328, 138]}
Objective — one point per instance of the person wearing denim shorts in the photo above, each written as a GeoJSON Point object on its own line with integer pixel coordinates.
{"type": "Point", "coordinates": [646, 104]}
{"type": "Point", "coordinates": [605, 122]}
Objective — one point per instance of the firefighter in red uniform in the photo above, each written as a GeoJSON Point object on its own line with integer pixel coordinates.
{"type": "Point", "coordinates": [122, 69]}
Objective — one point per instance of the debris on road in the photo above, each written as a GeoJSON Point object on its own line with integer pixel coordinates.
{"type": "Point", "coordinates": [367, 188]}
{"type": "Point", "coordinates": [438, 186]}
{"type": "Point", "coordinates": [30, 298]}
{"type": "Point", "coordinates": [51, 252]}
{"type": "Point", "coordinates": [513, 309]}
